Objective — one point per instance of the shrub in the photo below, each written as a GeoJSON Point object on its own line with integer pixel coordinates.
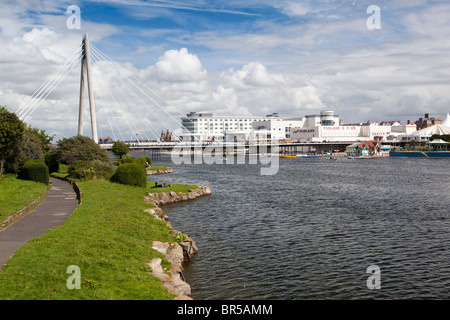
{"type": "Point", "coordinates": [35, 170]}
{"type": "Point", "coordinates": [130, 174]}
{"type": "Point", "coordinates": [102, 169]}
{"type": "Point", "coordinates": [52, 162]}
{"type": "Point", "coordinates": [80, 148]}
{"type": "Point", "coordinates": [90, 170]}
{"type": "Point", "coordinates": [81, 170]}
{"type": "Point", "coordinates": [146, 159]}
{"type": "Point", "coordinates": [142, 161]}
{"type": "Point", "coordinates": [129, 159]}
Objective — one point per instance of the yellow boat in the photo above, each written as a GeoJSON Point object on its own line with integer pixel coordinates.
{"type": "Point", "coordinates": [293, 156]}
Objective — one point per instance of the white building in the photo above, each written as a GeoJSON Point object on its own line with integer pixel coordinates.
{"type": "Point", "coordinates": [207, 127]}
{"type": "Point", "coordinates": [323, 127]}
{"type": "Point", "coordinates": [327, 127]}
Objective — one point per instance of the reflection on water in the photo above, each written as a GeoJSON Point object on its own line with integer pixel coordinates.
{"type": "Point", "coordinates": [312, 230]}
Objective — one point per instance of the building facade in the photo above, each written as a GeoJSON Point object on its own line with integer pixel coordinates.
{"type": "Point", "coordinates": [206, 127]}
{"type": "Point", "coordinates": [323, 127]}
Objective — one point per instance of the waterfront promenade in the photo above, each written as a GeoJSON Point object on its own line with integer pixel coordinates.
{"type": "Point", "coordinates": [59, 204]}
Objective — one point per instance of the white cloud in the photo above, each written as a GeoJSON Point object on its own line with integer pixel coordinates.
{"type": "Point", "coordinates": [178, 66]}
{"type": "Point", "coordinates": [253, 74]}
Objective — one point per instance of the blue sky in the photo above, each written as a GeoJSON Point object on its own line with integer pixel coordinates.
{"type": "Point", "coordinates": [234, 57]}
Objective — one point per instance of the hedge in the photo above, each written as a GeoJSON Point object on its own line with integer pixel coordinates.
{"type": "Point", "coordinates": [131, 174]}
{"type": "Point", "coordinates": [35, 170]}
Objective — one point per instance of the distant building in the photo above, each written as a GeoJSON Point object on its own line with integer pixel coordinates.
{"type": "Point", "coordinates": [323, 127]}
{"type": "Point", "coordinates": [427, 121]}
{"type": "Point", "coordinates": [167, 136]}
{"type": "Point", "coordinates": [207, 127]}
{"type": "Point", "coordinates": [106, 140]}
{"type": "Point", "coordinates": [328, 127]}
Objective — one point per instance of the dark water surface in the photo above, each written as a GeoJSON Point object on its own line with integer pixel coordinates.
{"type": "Point", "coordinates": [312, 230]}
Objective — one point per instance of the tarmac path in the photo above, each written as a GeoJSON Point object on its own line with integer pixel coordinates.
{"type": "Point", "coordinates": [60, 203]}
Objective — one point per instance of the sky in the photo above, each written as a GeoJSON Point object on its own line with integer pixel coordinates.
{"type": "Point", "coordinates": [227, 57]}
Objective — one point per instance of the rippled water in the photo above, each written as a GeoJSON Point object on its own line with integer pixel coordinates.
{"type": "Point", "coordinates": [312, 230]}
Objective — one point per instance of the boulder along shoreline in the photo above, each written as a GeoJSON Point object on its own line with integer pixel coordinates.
{"type": "Point", "coordinates": [175, 253]}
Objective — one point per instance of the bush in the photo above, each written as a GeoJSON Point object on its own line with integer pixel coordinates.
{"type": "Point", "coordinates": [81, 170]}
{"type": "Point", "coordinates": [35, 170]}
{"type": "Point", "coordinates": [130, 174]}
{"type": "Point", "coordinates": [80, 148]}
{"type": "Point", "coordinates": [103, 170]}
{"type": "Point", "coordinates": [129, 159]}
{"type": "Point", "coordinates": [142, 161]}
{"type": "Point", "coordinates": [52, 162]}
{"type": "Point", "coordinates": [90, 170]}
{"type": "Point", "coordinates": [145, 160]}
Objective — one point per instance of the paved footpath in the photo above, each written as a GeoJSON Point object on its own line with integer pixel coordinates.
{"type": "Point", "coordinates": [60, 203]}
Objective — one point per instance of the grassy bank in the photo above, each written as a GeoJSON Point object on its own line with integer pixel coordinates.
{"type": "Point", "coordinates": [109, 237]}
{"type": "Point", "coordinates": [16, 194]}
{"type": "Point", "coordinates": [174, 187]}
{"type": "Point", "coordinates": [156, 168]}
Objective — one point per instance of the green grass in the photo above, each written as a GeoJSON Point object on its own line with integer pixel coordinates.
{"type": "Point", "coordinates": [16, 194]}
{"type": "Point", "coordinates": [175, 187]}
{"type": "Point", "coordinates": [109, 237]}
{"type": "Point", "coordinates": [157, 168]}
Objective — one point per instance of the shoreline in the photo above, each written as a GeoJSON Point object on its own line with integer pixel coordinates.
{"type": "Point", "coordinates": [178, 253]}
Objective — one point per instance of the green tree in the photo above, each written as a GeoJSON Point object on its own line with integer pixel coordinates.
{"type": "Point", "coordinates": [445, 137]}
{"type": "Point", "coordinates": [29, 148]}
{"type": "Point", "coordinates": [42, 136]}
{"type": "Point", "coordinates": [11, 132]}
{"type": "Point", "coordinates": [82, 148]}
{"type": "Point", "coordinates": [119, 149]}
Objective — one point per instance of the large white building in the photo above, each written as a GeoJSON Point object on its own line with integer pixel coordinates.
{"type": "Point", "coordinates": [327, 127]}
{"type": "Point", "coordinates": [323, 127]}
{"type": "Point", "coordinates": [207, 127]}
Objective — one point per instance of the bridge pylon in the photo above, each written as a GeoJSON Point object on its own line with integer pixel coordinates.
{"type": "Point", "coordinates": [86, 69]}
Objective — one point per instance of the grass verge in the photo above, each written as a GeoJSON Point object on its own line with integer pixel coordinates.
{"type": "Point", "coordinates": [16, 194]}
{"type": "Point", "coordinates": [109, 237]}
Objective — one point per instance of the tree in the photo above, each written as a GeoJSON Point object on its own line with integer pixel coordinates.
{"type": "Point", "coordinates": [119, 149]}
{"type": "Point", "coordinates": [445, 137]}
{"type": "Point", "coordinates": [11, 132]}
{"type": "Point", "coordinates": [41, 135]}
{"type": "Point", "coordinates": [29, 148]}
{"type": "Point", "coordinates": [82, 148]}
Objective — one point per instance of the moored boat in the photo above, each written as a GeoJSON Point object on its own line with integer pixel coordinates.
{"type": "Point", "coordinates": [288, 156]}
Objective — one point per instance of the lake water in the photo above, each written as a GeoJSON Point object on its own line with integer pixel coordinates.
{"type": "Point", "coordinates": [312, 230]}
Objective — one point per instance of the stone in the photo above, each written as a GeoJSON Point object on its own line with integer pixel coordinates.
{"type": "Point", "coordinates": [191, 196]}
{"type": "Point", "coordinates": [157, 270]}
{"type": "Point", "coordinates": [175, 255]}
{"type": "Point", "coordinates": [183, 297]}
{"type": "Point", "coordinates": [160, 246]}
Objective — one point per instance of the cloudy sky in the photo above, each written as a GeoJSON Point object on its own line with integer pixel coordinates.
{"type": "Point", "coordinates": [155, 61]}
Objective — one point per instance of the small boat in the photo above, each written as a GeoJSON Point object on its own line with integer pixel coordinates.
{"type": "Point", "coordinates": [285, 156]}
{"type": "Point", "coordinates": [302, 155]}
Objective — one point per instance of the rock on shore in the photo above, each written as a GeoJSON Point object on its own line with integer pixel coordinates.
{"type": "Point", "coordinates": [153, 172]}
{"type": "Point", "coordinates": [175, 253]}
{"type": "Point", "coordinates": [162, 198]}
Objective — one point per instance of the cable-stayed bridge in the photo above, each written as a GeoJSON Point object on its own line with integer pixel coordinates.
{"type": "Point", "coordinates": [121, 106]}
